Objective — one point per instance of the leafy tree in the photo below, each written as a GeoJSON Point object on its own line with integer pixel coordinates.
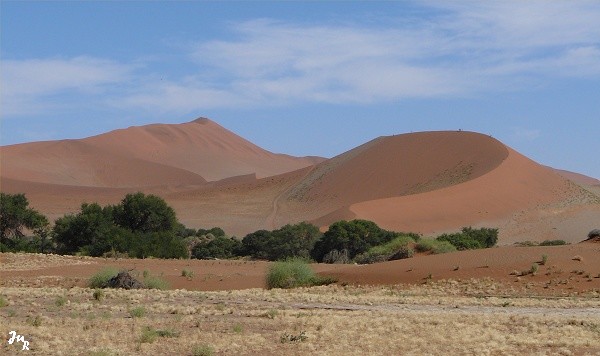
{"type": "Point", "coordinates": [289, 241]}
{"type": "Point", "coordinates": [257, 244]}
{"type": "Point", "coordinates": [15, 216]}
{"type": "Point", "coordinates": [92, 231]}
{"type": "Point", "coordinates": [145, 213]}
{"type": "Point", "coordinates": [295, 240]}
{"type": "Point", "coordinates": [161, 244]}
{"type": "Point", "coordinates": [355, 236]}
{"type": "Point", "coordinates": [219, 247]}
{"type": "Point", "coordinates": [215, 231]}
{"type": "Point", "coordinates": [470, 239]}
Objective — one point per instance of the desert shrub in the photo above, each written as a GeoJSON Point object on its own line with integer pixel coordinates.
{"type": "Point", "coordinates": [356, 236]}
{"type": "Point", "coordinates": [435, 246]}
{"type": "Point", "coordinates": [526, 243]}
{"type": "Point", "coordinates": [544, 260]}
{"type": "Point", "coordinates": [187, 273]}
{"type": "Point", "coordinates": [287, 242]}
{"type": "Point", "coordinates": [471, 239]}
{"type": "Point", "coordinates": [137, 312]}
{"type": "Point", "coordinates": [60, 301]}
{"type": "Point", "coordinates": [3, 301]}
{"type": "Point", "coordinates": [203, 350]}
{"type": "Point", "coordinates": [285, 338]}
{"type": "Point", "coordinates": [553, 243]}
{"type": "Point", "coordinates": [169, 333]}
{"type": "Point", "coordinates": [153, 282]}
{"type": "Point", "coordinates": [98, 294]}
{"type": "Point", "coordinates": [219, 247]}
{"type": "Point", "coordinates": [393, 250]}
{"type": "Point", "coordinates": [337, 257]}
{"type": "Point", "coordinates": [293, 273]}
{"type": "Point", "coordinates": [101, 278]}
{"type": "Point", "coordinates": [149, 335]}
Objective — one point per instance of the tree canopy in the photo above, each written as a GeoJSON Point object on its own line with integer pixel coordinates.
{"type": "Point", "coordinates": [16, 216]}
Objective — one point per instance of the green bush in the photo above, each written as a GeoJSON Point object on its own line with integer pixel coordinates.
{"type": "Point", "coordinates": [153, 282]}
{"type": "Point", "coordinates": [149, 335]}
{"type": "Point", "coordinates": [218, 247]}
{"type": "Point", "coordinates": [137, 312]}
{"type": "Point", "coordinates": [553, 243]}
{"type": "Point", "coordinates": [435, 246]}
{"type": "Point", "coordinates": [3, 301]}
{"type": "Point", "coordinates": [471, 239]}
{"type": "Point", "coordinates": [293, 273]}
{"type": "Point", "coordinates": [356, 236]}
{"type": "Point", "coordinates": [287, 242]}
{"type": "Point", "coordinates": [101, 278]}
{"type": "Point", "coordinates": [203, 350]}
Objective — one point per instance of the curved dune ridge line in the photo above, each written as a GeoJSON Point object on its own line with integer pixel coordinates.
{"type": "Point", "coordinates": [202, 147]}
{"type": "Point", "coordinates": [516, 185]}
{"type": "Point", "coordinates": [395, 166]}
{"type": "Point", "coordinates": [160, 154]}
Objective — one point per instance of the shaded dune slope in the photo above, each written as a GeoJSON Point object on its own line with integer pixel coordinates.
{"type": "Point", "coordinates": [516, 185]}
{"type": "Point", "coordinates": [395, 166]}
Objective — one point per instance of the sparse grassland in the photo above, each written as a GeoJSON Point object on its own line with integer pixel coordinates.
{"type": "Point", "coordinates": [446, 317]}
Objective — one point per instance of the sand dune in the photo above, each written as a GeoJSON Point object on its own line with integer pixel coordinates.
{"type": "Point", "coordinates": [73, 162]}
{"type": "Point", "coordinates": [146, 156]}
{"type": "Point", "coordinates": [428, 182]}
{"type": "Point", "coordinates": [202, 147]}
{"type": "Point", "coordinates": [517, 185]}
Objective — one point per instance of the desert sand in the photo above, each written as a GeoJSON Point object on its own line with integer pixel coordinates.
{"type": "Point", "coordinates": [430, 182]}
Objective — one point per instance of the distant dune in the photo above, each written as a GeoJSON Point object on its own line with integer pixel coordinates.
{"type": "Point", "coordinates": [189, 153]}
{"type": "Point", "coordinates": [427, 182]}
{"type": "Point", "coordinates": [202, 147]}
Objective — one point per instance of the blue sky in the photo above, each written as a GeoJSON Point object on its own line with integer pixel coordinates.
{"type": "Point", "coordinates": [309, 78]}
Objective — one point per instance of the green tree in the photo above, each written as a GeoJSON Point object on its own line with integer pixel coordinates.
{"type": "Point", "coordinates": [15, 216]}
{"type": "Point", "coordinates": [257, 244]}
{"type": "Point", "coordinates": [145, 213]}
{"type": "Point", "coordinates": [91, 231]}
{"type": "Point", "coordinates": [219, 247]}
{"type": "Point", "coordinates": [355, 236]}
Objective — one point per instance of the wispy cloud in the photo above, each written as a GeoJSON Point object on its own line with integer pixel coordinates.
{"type": "Point", "coordinates": [452, 49]}
{"type": "Point", "coordinates": [27, 85]}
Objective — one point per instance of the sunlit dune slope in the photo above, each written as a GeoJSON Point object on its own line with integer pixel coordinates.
{"type": "Point", "coordinates": [202, 147]}
{"type": "Point", "coordinates": [517, 185]}
{"type": "Point", "coordinates": [395, 166]}
{"type": "Point", "coordinates": [77, 163]}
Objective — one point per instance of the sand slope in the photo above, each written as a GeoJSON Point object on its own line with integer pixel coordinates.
{"type": "Point", "coordinates": [146, 156]}
{"type": "Point", "coordinates": [202, 147]}
{"type": "Point", "coordinates": [428, 182]}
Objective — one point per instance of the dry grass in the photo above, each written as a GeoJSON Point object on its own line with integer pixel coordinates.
{"type": "Point", "coordinates": [472, 317]}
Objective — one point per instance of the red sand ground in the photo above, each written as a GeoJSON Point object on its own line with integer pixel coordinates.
{"type": "Point", "coordinates": [569, 269]}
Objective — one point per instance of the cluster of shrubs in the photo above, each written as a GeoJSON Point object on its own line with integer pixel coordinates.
{"type": "Point", "coordinates": [144, 226]}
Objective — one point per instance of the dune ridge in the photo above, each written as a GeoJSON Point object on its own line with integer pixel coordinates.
{"type": "Point", "coordinates": [427, 182]}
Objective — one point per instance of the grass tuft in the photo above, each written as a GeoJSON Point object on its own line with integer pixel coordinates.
{"type": "Point", "coordinates": [101, 278]}
{"type": "Point", "coordinates": [203, 350]}
{"type": "Point", "coordinates": [294, 273]}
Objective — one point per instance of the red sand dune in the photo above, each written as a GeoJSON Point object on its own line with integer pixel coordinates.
{"type": "Point", "coordinates": [578, 178]}
{"type": "Point", "coordinates": [202, 147]}
{"type": "Point", "coordinates": [146, 156]}
{"type": "Point", "coordinates": [424, 182]}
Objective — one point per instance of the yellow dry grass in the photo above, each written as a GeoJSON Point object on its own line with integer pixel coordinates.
{"type": "Point", "coordinates": [458, 318]}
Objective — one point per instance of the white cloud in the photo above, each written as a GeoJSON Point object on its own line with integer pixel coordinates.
{"type": "Point", "coordinates": [26, 84]}
{"type": "Point", "coordinates": [452, 49]}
